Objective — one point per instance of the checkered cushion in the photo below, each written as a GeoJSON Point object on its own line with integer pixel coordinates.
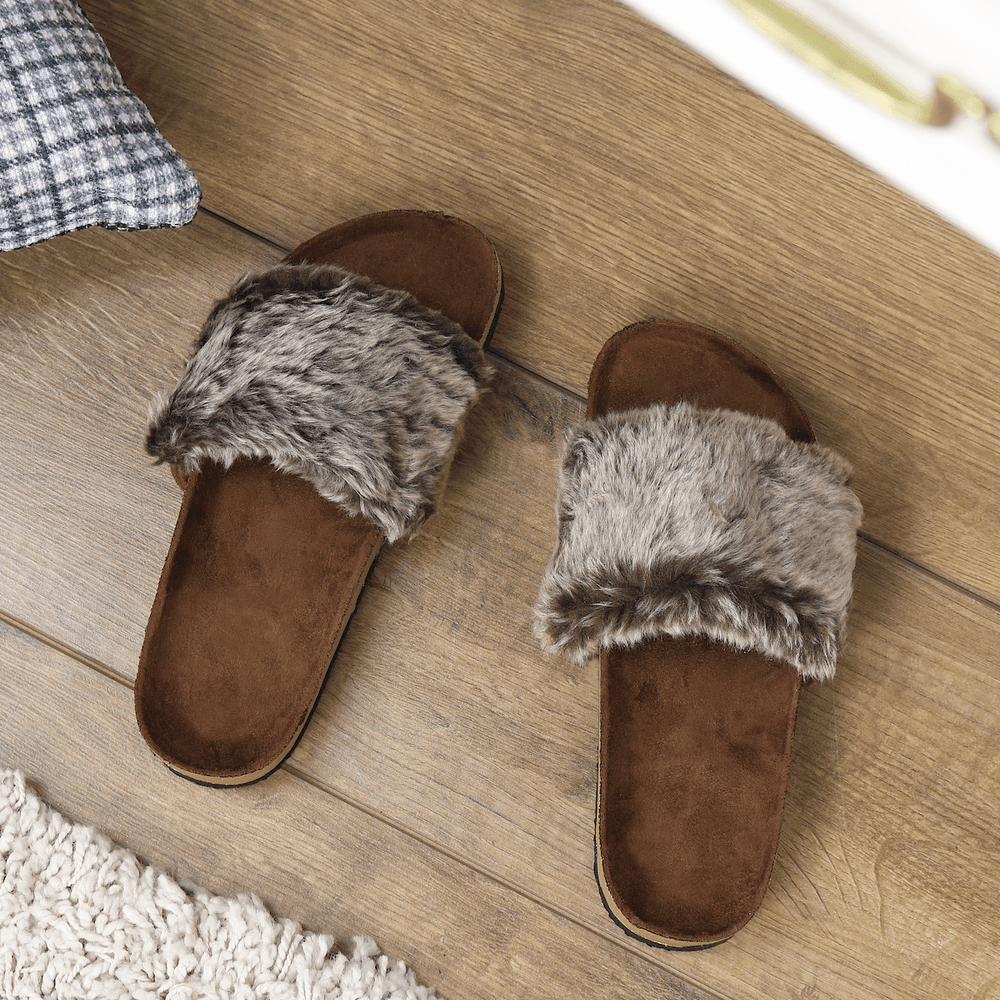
{"type": "Point", "coordinates": [77, 148]}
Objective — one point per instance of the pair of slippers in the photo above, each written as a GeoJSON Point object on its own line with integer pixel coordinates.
{"type": "Point", "coordinates": [705, 547]}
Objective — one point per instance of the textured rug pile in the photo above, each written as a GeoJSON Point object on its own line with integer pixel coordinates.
{"type": "Point", "coordinates": [82, 918]}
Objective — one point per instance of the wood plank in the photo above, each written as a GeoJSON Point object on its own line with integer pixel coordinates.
{"type": "Point", "coordinates": [307, 854]}
{"type": "Point", "coordinates": [94, 325]}
{"type": "Point", "coordinates": [621, 176]}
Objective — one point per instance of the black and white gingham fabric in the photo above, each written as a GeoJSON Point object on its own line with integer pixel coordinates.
{"type": "Point", "coordinates": [77, 147]}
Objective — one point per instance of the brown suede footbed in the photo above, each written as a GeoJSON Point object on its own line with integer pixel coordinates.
{"type": "Point", "coordinates": [696, 737]}
{"type": "Point", "coordinates": [262, 573]}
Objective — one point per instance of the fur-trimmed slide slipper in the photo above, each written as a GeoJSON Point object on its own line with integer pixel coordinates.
{"type": "Point", "coordinates": [316, 420]}
{"type": "Point", "coordinates": [705, 550]}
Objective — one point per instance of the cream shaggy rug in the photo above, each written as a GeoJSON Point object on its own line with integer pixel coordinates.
{"type": "Point", "coordinates": [82, 918]}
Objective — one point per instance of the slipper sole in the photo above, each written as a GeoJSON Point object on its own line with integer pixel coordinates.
{"type": "Point", "coordinates": [262, 574]}
{"type": "Point", "coordinates": [695, 737]}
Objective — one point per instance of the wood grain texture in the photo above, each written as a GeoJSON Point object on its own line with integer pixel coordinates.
{"type": "Point", "coordinates": [621, 176]}
{"type": "Point", "coordinates": [306, 854]}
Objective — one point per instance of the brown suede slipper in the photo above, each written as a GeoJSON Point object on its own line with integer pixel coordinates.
{"type": "Point", "coordinates": [316, 420]}
{"type": "Point", "coordinates": [706, 547]}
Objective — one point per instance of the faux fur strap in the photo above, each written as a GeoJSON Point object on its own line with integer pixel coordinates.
{"type": "Point", "coordinates": [356, 388]}
{"type": "Point", "coordinates": [683, 522]}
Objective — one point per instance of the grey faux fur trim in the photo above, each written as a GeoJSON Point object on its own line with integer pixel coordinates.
{"type": "Point", "coordinates": [681, 522]}
{"type": "Point", "coordinates": [356, 388]}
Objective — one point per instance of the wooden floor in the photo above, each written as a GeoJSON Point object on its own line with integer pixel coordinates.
{"type": "Point", "coordinates": [442, 797]}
